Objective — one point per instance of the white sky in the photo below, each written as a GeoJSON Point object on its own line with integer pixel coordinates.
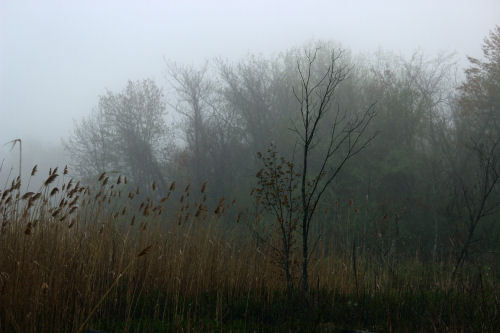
{"type": "Point", "coordinates": [57, 57]}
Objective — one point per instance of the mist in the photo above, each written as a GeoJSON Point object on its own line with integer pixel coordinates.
{"type": "Point", "coordinates": [321, 150]}
{"type": "Point", "coordinates": [57, 58]}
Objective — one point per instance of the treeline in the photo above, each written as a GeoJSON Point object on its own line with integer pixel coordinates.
{"type": "Point", "coordinates": [427, 185]}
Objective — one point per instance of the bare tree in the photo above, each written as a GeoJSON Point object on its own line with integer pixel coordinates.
{"type": "Point", "coordinates": [340, 141]}
{"type": "Point", "coordinates": [90, 146]}
{"type": "Point", "coordinates": [476, 167]}
{"type": "Point", "coordinates": [194, 92]}
{"type": "Point", "coordinates": [476, 191]}
{"type": "Point", "coordinates": [258, 91]}
{"type": "Point", "coordinates": [126, 134]}
{"type": "Point", "coordinates": [212, 129]}
{"type": "Point", "coordinates": [414, 97]}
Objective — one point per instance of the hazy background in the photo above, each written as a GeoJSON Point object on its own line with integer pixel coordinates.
{"type": "Point", "coordinates": [57, 57]}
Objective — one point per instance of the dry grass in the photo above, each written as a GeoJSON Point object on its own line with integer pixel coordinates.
{"type": "Point", "coordinates": [74, 257]}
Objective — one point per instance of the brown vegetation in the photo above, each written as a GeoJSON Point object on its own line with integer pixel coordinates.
{"type": "Point", "coordinates": [77, 258]}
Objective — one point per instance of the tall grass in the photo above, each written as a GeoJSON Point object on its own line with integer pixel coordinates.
{"type": "Point", "coordinates": [111, 257]}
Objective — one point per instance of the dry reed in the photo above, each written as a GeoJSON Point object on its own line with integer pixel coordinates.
{"type": "Point", "coordinates": [71, 260]}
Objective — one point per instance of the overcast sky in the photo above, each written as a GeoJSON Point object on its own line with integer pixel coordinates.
{"type": "Point", "coordinates": [57, 57]}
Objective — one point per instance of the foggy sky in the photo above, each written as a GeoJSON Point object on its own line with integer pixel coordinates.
{"type": "Point", "coordinates": [57, 57]}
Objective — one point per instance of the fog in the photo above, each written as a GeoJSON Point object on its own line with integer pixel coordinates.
{"type": "Point", "coordinates": [321, 150]}
{"type": "Point", "coordinates": [57, 57]}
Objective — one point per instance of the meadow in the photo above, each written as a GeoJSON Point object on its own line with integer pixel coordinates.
{"type": "Point", "coordinates": [110, 257]}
